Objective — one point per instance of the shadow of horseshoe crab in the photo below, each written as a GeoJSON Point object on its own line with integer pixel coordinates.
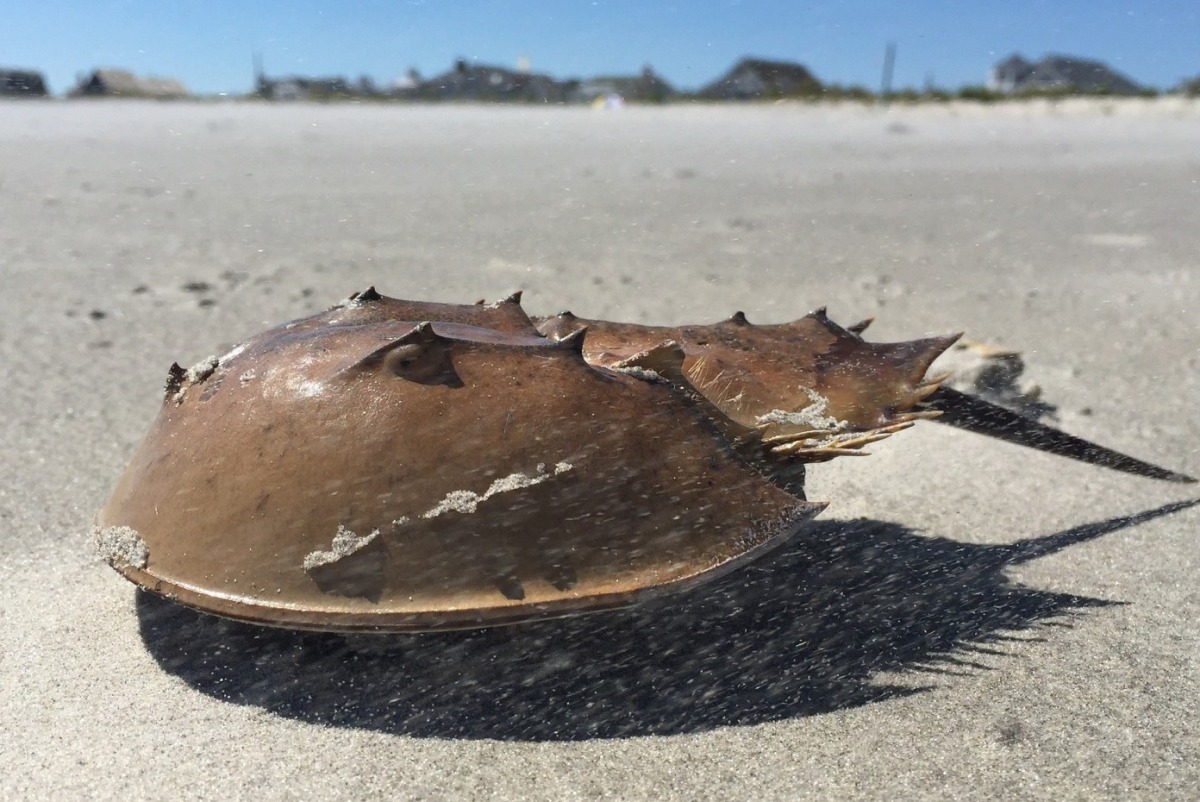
{"type": "Point", "coordinates": [805, 630]}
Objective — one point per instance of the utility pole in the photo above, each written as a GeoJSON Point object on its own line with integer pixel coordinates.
{"type": "Point", "coordinates": [260, 77]}
{"type": "Point", "coordinates": [889, 63]}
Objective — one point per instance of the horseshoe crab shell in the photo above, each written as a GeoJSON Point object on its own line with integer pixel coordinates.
{"type": "Point", "coordinates": [364, 470]}
{"type": "Point", "coordinates": [815, 387]}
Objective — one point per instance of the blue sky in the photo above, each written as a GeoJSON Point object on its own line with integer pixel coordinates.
{"type": "Point", "coordinates": [209, 45]}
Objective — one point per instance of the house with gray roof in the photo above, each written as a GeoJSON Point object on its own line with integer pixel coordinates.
{"type": "Point", "coordinates": [467, 81]}
{"type": "Point", "coordinates": [753, 78]}
{"type": "Point", "coordinates": [646, 87]}
{"type": "Point", "coordinates": [107, 82]}
{"type": "Point", "coordinates": [299, 87]}
{"type": "Point", "coordinates": [1056, 73]}
{"type": "Point", "coordinates": [22, 83]}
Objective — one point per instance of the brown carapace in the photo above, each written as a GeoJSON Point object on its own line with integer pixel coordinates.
{"type": "Point", "coordinates": [397, 466]}
{"type": "Point", "coordinates": [813, 388]}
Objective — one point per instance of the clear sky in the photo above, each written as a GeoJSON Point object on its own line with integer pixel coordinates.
{"type": "Point", "coordinates": [208, 44]}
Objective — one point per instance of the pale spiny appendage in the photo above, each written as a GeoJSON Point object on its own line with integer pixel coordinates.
{"type": "Point", "coordinates": [823, 444]}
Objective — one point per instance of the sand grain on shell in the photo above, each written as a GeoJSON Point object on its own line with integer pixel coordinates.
{"type": "Point", "coordinates": [121, 547]}
{"type": "Point", "coordinates": [467, 501]}
{"type": "Point", "coordinates": [811, 417]}
{"type": "Point", "coordinates": [345, 543]}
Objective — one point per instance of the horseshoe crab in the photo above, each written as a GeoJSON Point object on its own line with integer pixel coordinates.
{"type": "Point", "coordinates": [393, 466]}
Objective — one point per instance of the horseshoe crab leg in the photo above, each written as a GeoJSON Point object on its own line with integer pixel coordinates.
{"type": "Point", "coordinates": [982, 417]}
{"type": "Point", "coordinates": [813, 447]}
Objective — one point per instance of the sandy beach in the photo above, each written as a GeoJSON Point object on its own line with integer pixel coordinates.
{"type": "Point", "coordinates": [967, 620]}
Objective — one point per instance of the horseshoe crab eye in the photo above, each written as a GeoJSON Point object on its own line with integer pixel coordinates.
{"type": "Point", "coordinates": [405, 359]}
{"type": "Point", "coordinates": [423, 363]}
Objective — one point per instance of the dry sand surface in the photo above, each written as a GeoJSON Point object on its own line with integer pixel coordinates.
{"type": "Point", "coordinates": [901, 648]}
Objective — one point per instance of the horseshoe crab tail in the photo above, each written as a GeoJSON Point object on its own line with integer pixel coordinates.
{"type": "Point", "coordinates": [976, 415]}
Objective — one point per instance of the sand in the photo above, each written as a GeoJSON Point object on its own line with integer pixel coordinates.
{"type": "Point", "coordinates": [969, 619]}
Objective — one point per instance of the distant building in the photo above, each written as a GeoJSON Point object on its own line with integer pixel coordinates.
{"type": "Point", "coordinates": [366, 86]}
{"type": "Point", "coordinates": [1009, 75]}
{"type": "Point", "coordinates": [299, 87]}
{"type": "Point", "coordinates": [123, 83]}
{"type": "Point", "coordinates": [295, 87]}
{"type": "Point", "coordinates": [753, 78]}
{"type": "Point", "coordinates": [406, 86]}
{"type": "Point", "coordinates": [410, 80]}
{"type": "Point", "coordinates": [646, 87]}
{"type": "Point", "coordinates": [1054, 73]}
{"type": "Point", "coordinates": [483, 82]}
{"type": "Point", "coordinates": [22, 83]}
